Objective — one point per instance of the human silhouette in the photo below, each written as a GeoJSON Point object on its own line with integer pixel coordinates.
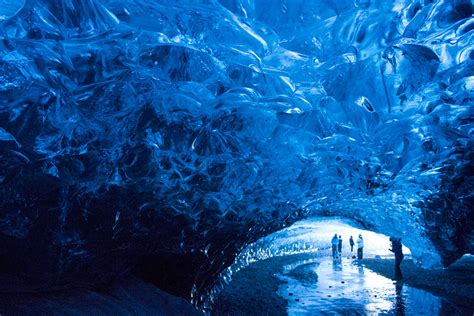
{"type": "Point", "coordinates": [334, 243]}
{"type": "Point", "coordinates": [397, 250]}
{"type": "Point", "coordinates": [351, 243]}
{"type": "Point", "coordinates": [360, 247]}
{"type": "Point", "coordinates": [339, 246]}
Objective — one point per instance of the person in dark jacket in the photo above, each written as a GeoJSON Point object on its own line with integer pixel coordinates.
{"type": "Point", "coordinates": [351, 242]}
{"type": "Point", "coordinates": [334, 243]}
{"type": "Point", "coordinates": [339, 246]}
{"type": "Point", "coordinates": [360, 247]}
{"type": "Point", "coordinates": [397, 250]}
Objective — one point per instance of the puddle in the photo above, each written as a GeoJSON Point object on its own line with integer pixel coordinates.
{"type": "Point", "coordinates": [327, 287]}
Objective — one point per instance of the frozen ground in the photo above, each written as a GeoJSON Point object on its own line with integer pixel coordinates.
{"type": "Point", "coordinates": [306, 284]}
{"type": "Point", "coordinates": [344, 287]}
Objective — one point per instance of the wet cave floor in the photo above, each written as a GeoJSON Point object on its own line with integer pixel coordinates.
{"type": "Point", "coordinates": [309, 284]}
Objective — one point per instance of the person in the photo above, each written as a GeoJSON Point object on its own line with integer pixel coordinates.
{"type": "Point", "coordinates": [397, 250]}
{"type": "Point", "coordinates": [360, 247]}
{"type": "Point", "coordinates": [351, 242]}
{"type": "Point", "coordinates": [334, 243]}
{"type": "Point", "coordinates": [339, 246]}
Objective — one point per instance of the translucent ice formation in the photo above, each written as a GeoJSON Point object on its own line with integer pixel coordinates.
{"type": "Point", "coordinates": [137, 134]}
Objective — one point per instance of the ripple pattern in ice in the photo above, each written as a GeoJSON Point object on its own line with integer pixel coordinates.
{"type": "Point", "coordinates": [144, 132]}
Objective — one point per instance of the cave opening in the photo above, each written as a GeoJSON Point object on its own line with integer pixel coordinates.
{"type": "Point", "coordinates": [163, 139]}
{"type": "Point", "coordinates": [312, 235]}
{"type": "Point", "coordinates": [298, 263]}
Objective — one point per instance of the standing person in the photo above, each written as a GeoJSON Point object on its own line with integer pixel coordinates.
{"type": "Point", "coordinates": [360, 247]}
{"type": "Point", "coordinates": [397, 250]}
{"type": "Point", "coordinates": [339, 246]}
{"type": "Point", "coordinates": [351, 242]}
{"type": "Point", "coordinates": [334, 243]}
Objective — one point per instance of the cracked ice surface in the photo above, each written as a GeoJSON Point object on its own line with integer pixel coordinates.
{"type": "Point", "coordinates": [189, 129]}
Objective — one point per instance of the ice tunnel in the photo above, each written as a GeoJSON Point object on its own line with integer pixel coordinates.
{"type": "Point", "coordinates": [160, 138]}
{"type": "Point", "coordinates": [311, 235]}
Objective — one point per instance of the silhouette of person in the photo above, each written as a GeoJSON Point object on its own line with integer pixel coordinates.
{"type": "Point", "coordinates": [360, 247]}
{"type": "Point", "coordinates": [351, 242]}
{"type": "Point", "coordinates": [334, 243]}
{"type": "Point", "coordinates": [339, 246]}
{"type": "Point", "coordinates": [397, 250]}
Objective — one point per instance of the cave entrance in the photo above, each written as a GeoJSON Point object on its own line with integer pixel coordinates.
{"type": "Point", "coordinates": [301, 276]}
{"type": "Point", "coordinates": [314, 235]}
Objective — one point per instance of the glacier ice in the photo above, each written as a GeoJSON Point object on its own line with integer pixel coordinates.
{"type": "Point", "coordinates": [173, 134]}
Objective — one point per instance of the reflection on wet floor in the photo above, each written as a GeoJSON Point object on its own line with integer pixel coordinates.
{"type": "Point", "coordinates": [333, 287]}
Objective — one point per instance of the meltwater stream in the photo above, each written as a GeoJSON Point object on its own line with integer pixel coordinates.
{"type": "Point", "coordinates": [342, 287]}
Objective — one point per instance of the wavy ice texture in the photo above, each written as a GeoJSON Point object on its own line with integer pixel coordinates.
{"type": "Point", "coordinates": [145, 133]}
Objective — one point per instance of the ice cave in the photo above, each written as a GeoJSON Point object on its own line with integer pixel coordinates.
{"type": "Point", "coordinates": [151, 151]}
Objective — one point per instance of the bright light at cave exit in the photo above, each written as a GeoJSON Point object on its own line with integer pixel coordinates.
{"type": "Point", "coordinates": [317, 233]}
{"type": "Point", "coordinates": [374, 244]}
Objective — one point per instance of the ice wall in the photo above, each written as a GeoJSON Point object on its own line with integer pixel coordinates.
{"type": "Point", "coordinates": [138, 134]}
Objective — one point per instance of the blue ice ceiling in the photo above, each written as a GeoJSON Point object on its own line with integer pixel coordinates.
{"type": "Point", "coordinates": [137, 133]}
